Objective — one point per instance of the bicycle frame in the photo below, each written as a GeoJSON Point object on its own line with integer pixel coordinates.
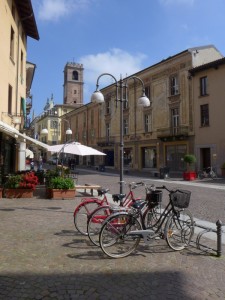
{"type": "Point", "coordinates": [129, 200]}
{"type": "Point", "coordinates": [147, 233]}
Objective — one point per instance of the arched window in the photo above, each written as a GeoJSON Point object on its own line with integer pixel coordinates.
{"type": "Point", "coordinates": [75, 75]}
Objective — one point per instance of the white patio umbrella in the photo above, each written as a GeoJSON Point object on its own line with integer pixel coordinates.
{"type": "Point", "coordinates": [29, 153]}
{"type": "Point", "coordinates": [75, 148]}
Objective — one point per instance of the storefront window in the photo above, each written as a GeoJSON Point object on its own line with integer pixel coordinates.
{"type": "Point", "coordinates": [174, 157]}
{"type": "Point", "coordinates": [149, 157]}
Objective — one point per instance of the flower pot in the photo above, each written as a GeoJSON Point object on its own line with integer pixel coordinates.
{"type": "Point", "coordinates": [189, 175]}
{"type": "Point", "coordinates": [18, 193]}
{"type": "Point", "coordinates": [1, 192]}
{"type": "Point", "coordinates": [62, 194]}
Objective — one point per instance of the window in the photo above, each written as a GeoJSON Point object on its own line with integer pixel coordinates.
{"type": "Point", "coordinates": [125, 126]}
{"type": "Point", "coordinates": [21, 66]}
{"type": "Point", "coordinates": [148, 123]}
{"type": "Point", "coordinates": [10, 100]}
{"type": "Point", "coordinates": [175, 120]}
{"type": "Point", "coordinates": [203, 86]}
{"type": "Point", "coordinates": [174, 88]}
{"type": "Point", "coordinates": [107, 126]}
{"type": "Point", "coordinates": [12, 42]}
{"type": "Point", "coordinates": [150, 157]}
{"type": "Point", "coordinates": [125, 104]}
{"type": "Point", "coordinates": [204, 110]}
{"type": "Point", "coordinates": [147, 92]}
{"type": "Point", "coordinates": [84, 120]}
{"type": "Point", "coordinates": [125, 97]}
{"type": "Point", "coordinates": [54, 124]}
{"type": "Point", "coordinates": [75, 91]}
{"type": "Point", "coordinates": [75, 75]}
{"type": "Point", "coordinates": [107, 107]}
{"type": "Point", "coordinates": [92, 117]}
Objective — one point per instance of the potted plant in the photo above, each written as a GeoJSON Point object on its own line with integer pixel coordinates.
{"type": "Point", "coordinates": [190, 173]}
{"type": "Point", "coordinates": [20, 185]}
{"type": "Point", "coordinates": [61, 188]}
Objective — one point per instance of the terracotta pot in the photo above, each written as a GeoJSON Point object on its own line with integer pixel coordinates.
{"type": "Point", "coordinates": [189, 175]}
{"type": "Point", "coordinates": [62, 194]}
{"type": "Point", "coordinates": [18, 193]}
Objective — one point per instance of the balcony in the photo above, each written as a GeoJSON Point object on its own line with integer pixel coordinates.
{"type": "Point", "coordinates": [28, 105]}
{"type": "Point", "coordinates": [106, 141]}
{"type": "Point", "coordinates": [173, 132]}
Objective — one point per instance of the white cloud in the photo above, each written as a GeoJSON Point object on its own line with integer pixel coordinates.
{"type": "Point", "coordinates": [53, 10]}
{"type": "Point", "coordinates": [115, 61]}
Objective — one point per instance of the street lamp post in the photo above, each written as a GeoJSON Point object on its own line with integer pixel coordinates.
{"type": "Point", "coordinates": [121, 86]}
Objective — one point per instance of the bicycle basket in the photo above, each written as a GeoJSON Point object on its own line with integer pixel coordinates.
{"type": "Point", "coordinates": [181, 198]}
{"type": "Point", "coordinates": [154, 197]}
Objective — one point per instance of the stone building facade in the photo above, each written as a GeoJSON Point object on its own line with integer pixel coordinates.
{"type": "Point", "coordinates": [163, 133]}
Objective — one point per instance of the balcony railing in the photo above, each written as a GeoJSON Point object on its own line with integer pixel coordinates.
{"type": "Point", "coordinates": [106, 141]}
{"type": "Point", "coordinates": [173, 132]}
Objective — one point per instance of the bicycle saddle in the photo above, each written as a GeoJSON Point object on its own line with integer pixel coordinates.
{"type": "Point", "coordinates": [139, 204]}
{"type": "Point", "coordinates": [102, 191]}
{"type": "Point", "coordinates": [118, 197]}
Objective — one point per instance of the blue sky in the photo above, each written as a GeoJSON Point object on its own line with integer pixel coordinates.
{"type": "Point", "coordinates": [119, 37]}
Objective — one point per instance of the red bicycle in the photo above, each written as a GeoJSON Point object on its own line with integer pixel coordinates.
{"type": "Point", "coordinates": [88, 205]}
{"type": "Point", "coordinates": [99, 215]}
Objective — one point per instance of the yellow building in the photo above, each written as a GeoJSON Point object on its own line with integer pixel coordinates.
{"type": "Point", "coordinates": [159, 135]}
{"type": "Point", "coordinates": [208, 92]}
{"type": "Point", "coordinates": [47, 127]}
{"type": "Point", "coordinates": [17, 22]}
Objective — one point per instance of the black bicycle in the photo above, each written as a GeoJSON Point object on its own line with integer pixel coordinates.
{"type": "Point", "coordinates": [121, 232]}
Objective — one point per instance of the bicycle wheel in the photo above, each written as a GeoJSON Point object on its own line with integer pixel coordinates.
{"type": "Point", "coordinates": [151, 216]}
{"type": "Point", "coordinates": [82, 213]}
{"type": "Point", "coordinates": [95, 221]}
{"type": "Point", "coordinates": [179, 229]}
{"type": "Point", "coordinates": [114, 237]}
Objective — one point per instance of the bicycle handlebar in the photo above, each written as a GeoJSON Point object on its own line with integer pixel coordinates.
{"type": "Point", "coordinates": [170, 191]}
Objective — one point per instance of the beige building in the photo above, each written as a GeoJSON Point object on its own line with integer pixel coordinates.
{"type": "Point", "coordinates": [208, 92]}
{"type": "Point", "coordinates": [49, 127]}
{"type": "Point", "coordinates": [17, 22]}
{"type": "Point", "coordinates": [86, 128]}
{"type": "Point", "coordinates": [162, 134]}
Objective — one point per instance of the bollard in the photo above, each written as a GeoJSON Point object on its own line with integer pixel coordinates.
{"type": "Point", "coordinates": [219, 238]}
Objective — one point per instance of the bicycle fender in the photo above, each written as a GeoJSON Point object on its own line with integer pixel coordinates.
{"type": "Point", "coordinates": [85, 202]}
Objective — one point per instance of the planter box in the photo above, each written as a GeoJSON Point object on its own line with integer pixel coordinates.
{"type": "Point", "coordinates": [18, 193]}
{"type": "Point", "coordinates": [61, 194]}
{"type": "Point", "coordinates": [189, 176]}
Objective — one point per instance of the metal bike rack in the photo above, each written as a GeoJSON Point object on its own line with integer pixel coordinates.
{"type": "Point", "coordinates": [218, 232]}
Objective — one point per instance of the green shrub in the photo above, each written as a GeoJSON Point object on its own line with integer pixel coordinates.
{"type": "Point", "coordinates": [13, 182]}
{"type": "Point", "coordinates": [190, 159]}
{"type": "Point", "coordinates": [61, 183]}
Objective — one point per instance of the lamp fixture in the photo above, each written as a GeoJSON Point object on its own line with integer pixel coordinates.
{"type": "Point", "coordinates": [121, 87]}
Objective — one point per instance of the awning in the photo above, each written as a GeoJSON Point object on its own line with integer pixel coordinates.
{"type": "Point", "coordinates": [17, 135]}
{"type": "Point", "coordinates": [29, 153]}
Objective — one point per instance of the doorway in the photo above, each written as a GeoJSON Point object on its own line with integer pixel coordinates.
{"type": "Point", "coordinates": [205, 158]}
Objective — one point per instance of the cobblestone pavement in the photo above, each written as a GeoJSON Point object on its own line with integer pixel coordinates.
{"type": "Point", "coordinates": [42, 256]}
